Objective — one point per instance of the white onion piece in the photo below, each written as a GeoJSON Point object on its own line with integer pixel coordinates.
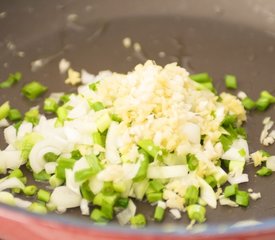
{"type": "Point", "coordinates": [70, 181]}
{"type": "Point", "coordinates": [227, 202]}
{"type": "Point", "coordinates": [79, 111]}
{"type": "Point", "coordinates": [62, 197]}
{"type": "Point", "coordinates": [175, 213]}
{"type": "Point", "coordinates": [207, 193]}
{"type": "Point", "coordinates": [192, 132]}
{"type": "Point", "coordinates": [112, 154]}
{"type": "Point", "coordinates": [12, 159]}
{"type": "Point", "coordinates": [38, 151]}
{"type": "Point", "coordinates": [96, 185]}
{"type": "Point", "coordinates": [50, 167]}
{"type": "Point", "coordinates": [24, 128]}
{"type": "Point", "coordinates": [22, 203]}
{"type": "Point", "coordinates": [4, 122]}
{"type": "Point", "coordinates": [270, 163]}
{"type": "Point", "coordinates": [232, 154]}
{"type": "Point", "coordinates": [10, 134]}
{"type": "Point", "coordinates": [162, 172]}
{"type": "Point", "coordinates": [84, 207]}
{"type": "Point", "coordinates": [111, 173]}
{"type": "Point", "coordinates": [130, 170]}
{"type": "Point", "coordinates": [11, 183]}
{"type": "Point", "coordinates": [124, 216]}
{"type": "Point", "coordinates": [238, 179]}
{"type": "Point", "coordinates": [7, 198]}
{"type": "Point", "coordinates": [87, 78]}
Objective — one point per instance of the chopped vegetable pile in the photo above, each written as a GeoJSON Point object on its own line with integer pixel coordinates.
{"type": "Point", "coordinates": [155, 134]}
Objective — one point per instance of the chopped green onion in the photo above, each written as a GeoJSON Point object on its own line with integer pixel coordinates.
{"type": "Point", "coordinates": [86, 192]}
{"type": "Point", "coordinates": [242, 152]}
{"type": "Point", "coordinates": [231, 82]}
{"type": "Point", "coordinates": [43, 195]}
{"type": "Point", "coordinates": [192, 162]}
{"type": "Point", "coordinates": [23, 180]}
{"type": "Point", "coordinates": [11, 80]}
{"type": "Point", "coordinates": [265, 153]}
{"type": "Point", "coordinates": [262, 103]}
{"type": "Point", "coordinates": [191, 195]}
{"type": "Point", "coordinates": [156, 185]}
{"type": "Point", "coordinates": [201, 78]}
{"type": "Point", "coordinates": [154, 196]}
{"type": "Point", "coordinates": [30, 190]}
{"type": "Point", "coordinates": [116, 118]}
{"type": "Point", "coordinates": [33, 90]}
{"type": "Point", "coordinates": [248, 103]}
{"type": "Point", "coordinates": [50, 157]}
{"type": "Point", "coordinates": [62, 113]}
{"type": "Point", "coordinates": [264, 171]}
{"type": "Point", "coordinates": [196, 212]}
{"type": "Point", "coordinates": [15, 190]}
{"type": "Point", "coordinates": [85, 174]}
{"type": "Point", "coordinates": [211, 181]}
{"type": "Point", "coordinates": [50, 105]}
{"type": "Point", "coordinates": [93, 86]}
{"type": "Point", "coordinates": [142, 171]}
{"type": "Point", "coordinates": [122, 202]}
{"type": "Point", "coordinates": [97, 139]}
{"type": "Point", "coordinates": [159, 213]}
{"type": "Point", "coordinates": [14, 115]}
{"type": "Point", "coordinates": [51, 207]}
{"type": "Point", "coordinates": [242, 198]}
{"type": "Point", "coordinates": [75, 154]}
{"type": "Point", "coordinates": [229, 120]}
{"type": "Point", "coordinates": [98, 216]}
{"type": "Point", "coordinates": [148, 146]}
{"type": "Point", "coordinates": [65, 98]}
{"type": "Point", "coordinates": [16, 173]}
{"type": "Point", "coordinates": [41, 176]}
{"type": "Point", "coordinates": [268, 95]}
{"type": "Point", "coordinates": [231, 190]}
{"type": "Point", "coordinates": [97, 106]}
{"type": "Point", "coordinates": [4, 110]}
{"type": "Point", "coordinates": [37, 208]}
{"type": "Point", "coordinates": [138, 220]}
{"type": "Point", "coordinates": [62, 164]}
{"type": "Point", "coordinates": [32, 116]}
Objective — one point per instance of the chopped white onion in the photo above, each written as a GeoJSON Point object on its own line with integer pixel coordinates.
{"type": "Point", "coordinates": [227, 201]}
{"type": "Point", "coordinates": [62, 197]}
{"type": "Point", "coordinates": [207, 193]}
{"type": "Point", "coordinates": [70, 181]}
{"type": "Point", "coordinates": [124, 216]}
{"type": "Point", "coordinates": [13, 182]}
{"type": "Point", "coordinates": [270, 163]}
{"type": "Point", "coordinates": [11, 158]}
{"type": "Point", "coordinates": [50, 167]}
{"type": "Point", "coordinates": [22, 203]}
{"type": "Point", "coordinates": [162, 172]}
{"type": "Point", "coordinates": [112, 154]}
{"type": "Point", "coordinates": [238, 179]}
{"type": "Point", "coordinates": [4, 122]}
{"type": "Point", "coordinates": [84, 207]}
{"type": "Point", "coordinates": [192, 132]}
{"type": "Point", "coordinates": [10, 134]}
{"type": "Point", "coordinates": [175, 213]}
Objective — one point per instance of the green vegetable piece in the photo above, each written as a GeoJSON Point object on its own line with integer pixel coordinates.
{"type": "Point", "coordinates": [85, 174]}
{"type": "Point", "coordinates": [98, 216]}
{"type": "Point", "coordinates": [41, 176]}
{"type": "Point", "coordinates": [14, 115]}
{"type": "Point", "coordinates": [265, 153]}
{"type": "Point", "coordinates": [264, 171]}
{"type": "Point", "coordinates": [16, 173]}
{"type": "Point", "coordinates": [37, 208]}
{"type": "Point", "coordinates": [50, 105]}
{"type": "Point", "coordinates": [262, 103]}
{"type": "Point", "coordinates": [97, 106]}
{"type": "Point", "coordinates": [33, 90]}
{"type": "Point", "coordinates": [86, 192]}
{"type": "Point", "coordinates": [142, 171]}
{"type": "Point", "coordinates": [122, 202]}
{"type": "Point", "coordinates": [116, 118]}
{"type": "Point", "coordinates": [154, 196]}
{"type": "Point", "coordinates": [103, 122]}
{"type": "Point", "coordinates": [196, 212]}
{"type": "Point", "coordinates": [138, 220]}
{"type": "Point", "coordinates": [63, 164]}
{"type": "Point", "coordinates": [229, 120]}
{"type": "Point", "coordinates": [148, 146]}
{"type": "Point", "coordinates": [231, 82]}
{"type": "Point", "coordinates": [268, 95]}
{"type": "Point", "coordinates": [4, 110]}
{"type": "Point", "coordinates": [192, 162]}
{"type": "Point", "coordinates": [50, 157]}
{"type": "Point", "coordinates": [23, 180]}
{"type": "Point", "coordinates": [248, 103]}
{"type": "Point", "coordinates": [75, 154]}
{"type": "Point", "coordinates": [97, 139]}
{"type": "Point", "coordinates": [93, 86]}
{"type": "Point", "coordinates": [11, 80]}
{"type": "Point", "coordinates": [55, 181]}
{"type": "Point", "coordinates": [159, 213]}
{"type": "Point", "coordinates": [191, 195]}
{"type": "Point", "coordinates": [242, 152]}
{"type": "Point", "coordinates": [30, 190]}
{"type": "Point", "coordinates": [65, 98]}
{"type": "Point", "coordinates": [211, 181]}
{"type": "Point", "coordinates": [32, 116]}
{"type": "Point", "coordinates": [156, 185]}
{"type": "Point", "coordinates": [242, 198]}
{"type": "Point", "coordinates": [62, 113]}
{"type": "Point", "coordinates": [43, 195]}
{"type": "Point", "coordinates": [201, 78]}
{"type": "Point", "coordinates": [231, 190]}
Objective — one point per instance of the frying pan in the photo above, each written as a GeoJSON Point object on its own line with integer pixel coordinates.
{"type": "Point", "coordinates": [214, 36]}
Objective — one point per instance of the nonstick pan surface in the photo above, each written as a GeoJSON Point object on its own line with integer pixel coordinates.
{"type": "Point", "coordinates": [218, 37]}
